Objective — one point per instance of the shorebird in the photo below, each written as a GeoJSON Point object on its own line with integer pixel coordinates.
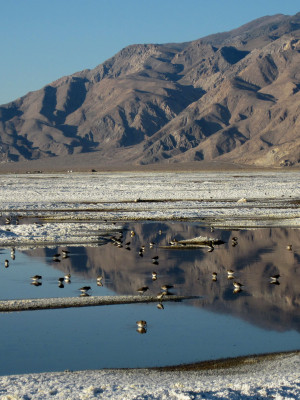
{"type": "Point", "coordinates": [237, 285]}
{"type": "Point", "coordinates": [160, 306]}
{"type": "Point", "coordinates": [118, 242]}
{"type": "Point", "coordinates": [99, 280]}
{"type": "Point", "coordinates": [274, 279]}
{"type": "Point", "coordinates": [65, 253]}
{"type": "Point", "coordinates": [36, 277]}
{"type": "Point", "coordinates": [154, 276]}
{"type": "Point", "coordinates": [67, 278]}
{"type": "Point", "coordinates": [141, 323]}
{"type": "Point", "coordinates": [214, 276]}
{"type": "Point", "coordinates": [84, 289]}
{"type": "Point", "coordinates": [55, 257]}
{"type": "Point", "coordinates": [289, 247]}
{"type": "Point", "coordinates": [166, 287]}
{"type": "Point", "coordinates": [161, 295]}
{"type": "Point", "coordinates": [132, 233]}
{"type": "Point", "coordinates": [151, 245]}
{"type": "Point", "coordinates": [230, 274]}
{"type": "Point", "coordinates": [234, 241]}
{"type": "Point", "coordinates": [6, 263]}
{"type": "Point", "coordinates": [141, 326]}
{"type": "Point", "coordinates": [143, 289]}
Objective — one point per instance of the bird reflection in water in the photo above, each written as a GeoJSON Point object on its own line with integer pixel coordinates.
{"type": "Point", "coordinates": [36, 283]}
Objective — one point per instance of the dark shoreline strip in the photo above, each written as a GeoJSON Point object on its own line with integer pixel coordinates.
{"type": "Point", "coordinates": [226, 363]}
{"type": "Point", "coordinates": [68, 302]}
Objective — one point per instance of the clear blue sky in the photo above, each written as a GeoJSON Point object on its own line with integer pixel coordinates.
{"type": "Point", "coordinates": [43, 40]}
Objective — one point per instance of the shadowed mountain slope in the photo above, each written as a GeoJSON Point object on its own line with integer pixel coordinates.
{"type": "Point", "coordinates": [231, 97]}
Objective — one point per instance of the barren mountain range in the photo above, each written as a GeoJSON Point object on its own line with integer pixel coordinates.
{"type": "Point", "coordinates": [229, 97]}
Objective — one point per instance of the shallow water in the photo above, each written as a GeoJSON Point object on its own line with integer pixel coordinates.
{"type": "Point", "coordinates": [261, 318]}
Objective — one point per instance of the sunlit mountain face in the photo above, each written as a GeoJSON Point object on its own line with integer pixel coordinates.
{"type": "Point", "coordinates": [231, 97]}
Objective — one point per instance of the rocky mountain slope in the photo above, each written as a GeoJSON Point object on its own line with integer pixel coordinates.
{"type": "Point", "coordinates": [231, 97]}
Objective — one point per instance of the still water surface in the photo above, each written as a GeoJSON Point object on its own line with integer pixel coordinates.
{"type": "Point", "coordinates": [261, 318]}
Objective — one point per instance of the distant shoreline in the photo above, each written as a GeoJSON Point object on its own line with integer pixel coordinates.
{"type": "Point", "coordinates": [92, 165]}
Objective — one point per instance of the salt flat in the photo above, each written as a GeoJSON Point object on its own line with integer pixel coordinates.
{"type": "Point", "coordinates": [272, 378]}
{"type": "Point", "coordinates": [88, 204]}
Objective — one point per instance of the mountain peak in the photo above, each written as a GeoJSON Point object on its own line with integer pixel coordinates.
{"type": "Point", "coordinates": [232, 96]}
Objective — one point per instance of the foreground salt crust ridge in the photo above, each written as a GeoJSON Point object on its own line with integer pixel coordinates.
{"type": "Point", "coordinates": [275, 378]}
{"type": "Point", "coordinates": [83, 201]}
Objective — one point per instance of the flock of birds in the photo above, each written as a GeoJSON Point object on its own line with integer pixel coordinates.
{"type": "Point", "coordinates": [36, 279]}
{"type": "Point", "coordinates": [118, 241]}
{"type": "Point", "coordinates": [237, 286]}
{"type": "Point", "coordinates": [165, 289]}
{"type": "Point", "coordinates": [274, 279]}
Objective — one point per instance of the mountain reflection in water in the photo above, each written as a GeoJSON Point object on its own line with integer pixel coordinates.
{"type": "Point", "coordinates": [253, 255]}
